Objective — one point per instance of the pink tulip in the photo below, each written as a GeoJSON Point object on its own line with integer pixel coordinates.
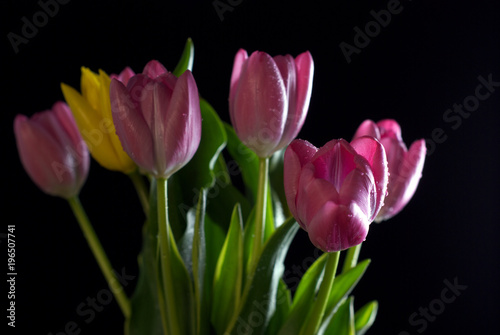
{"type": "Point", "coordinates": [405, 166]}
{"type": "Point", "coordinates": [336, 191]}
{"type": "Point", "coordinates": [52, 151]}
{"type": "Point", "coordinates": [269, 98]}
{"type": "Point", "coordinates": [157, 118]}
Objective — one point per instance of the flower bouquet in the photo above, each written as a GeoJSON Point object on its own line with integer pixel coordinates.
{"type": "Point", "coordinates": [212, 262]}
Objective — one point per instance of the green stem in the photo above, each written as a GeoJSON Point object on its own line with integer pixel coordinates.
{"type": "Point", "coordinates": [141, 189]}
{"type": "Point", "coordinates": [100, 256]}
{"type": "Point", "coordinates": [260, 211]}
{"type": "Point", "coordinates": [312, 325]}
{"type": "Point", "coordinates": [165, 258]}
{"type": "Point", "coordinates": [351, 258]}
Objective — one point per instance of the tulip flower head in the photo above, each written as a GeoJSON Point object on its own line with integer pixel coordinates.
{"type": "Point", "coordinates": [336, 191]}
{"type": "Point", "coordinates": [92, 111]}
{"type": "Point", "coordinates": [157, 118]}
{"type": "Point", "coordinates": [405, 166]}
{"type": "Point", "coordinates": [52, 151]}
{"type": "Point", "coordinates": [269, 98]}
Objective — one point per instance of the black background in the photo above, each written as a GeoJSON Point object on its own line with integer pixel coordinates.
{"type": "Point", "coordinates": [426, 59]}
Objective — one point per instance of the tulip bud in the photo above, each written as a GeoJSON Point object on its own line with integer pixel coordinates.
{"type": "Point", "coordinates": [405, 166]}
{"type": "Point", "coordinates": [157, 118]}
{"type": "Point", "coordinates": [336, 191]}
{"type": "Point", "coordinates": [52, 151]}
{"type": "Point", "coordinates": [269, 98]}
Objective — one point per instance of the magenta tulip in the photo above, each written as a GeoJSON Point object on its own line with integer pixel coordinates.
{"type": "Point", "coordinates": [336, 191]}
{"type": "Point", "coordinates": [405, 166]}
{"type": "Point", "coordinates": [269, 98]}
{"type": "Point", "coordinates": [157, 118]}
{"type": "Point", "coordinates": [52, 151]}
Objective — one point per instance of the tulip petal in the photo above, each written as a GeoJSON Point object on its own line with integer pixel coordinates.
{"type": "Point", "coordinates": [298, 153]}
{"type": "Point", "coordinates": [338, 227]}
{"type": "Point", "coordinates": [182, 123]}
{"type": "Point", "coordinates": [404, 182]}
{"type": "Point", "coordinates": [313, 194]}
{"type": "Point", "coordinates": [373, 151]}
{"type": "Point", "coordinates": [286, 65]}
{"type": "Point", "coordinates": [240, 61]}
{"type": "Point", "coordinates": [124, 76]}
{"type": "Point", "coordinates": [334, 161]}
{"type": "Point", "coordinates": [131, 127]}
{"type": "Point", "coordinates": [154, 69]}
{"type": "Point", "coordinates": [390, 128]}
{"type": "Point", "coordinates": [305, 72]}
{"type": "Point", "coordinates": [261, 103]}
{"type": "Point", "coordinates": [367, 128]}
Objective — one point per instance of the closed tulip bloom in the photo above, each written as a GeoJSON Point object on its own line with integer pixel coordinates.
{"type": "Point", "coordinates": [269, 98]}
{"type": "Point", "coordinates": [405, 166]}
{"type": "Point", "coordinates": [92, 111]}
{"type": "Point", "coordinates": [336, 191]}
{"type": "Point", "coordinates": [52, 151]}
{"type": "Point", "coordinates": [157, 118]}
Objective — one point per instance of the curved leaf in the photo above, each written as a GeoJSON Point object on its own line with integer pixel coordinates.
{"type": "Point", "coordinates": [186, 60]}
{"type": "Point", "coordinates": [365, 317]}
{"type": "Point", "coordinates": [228, 275]}
{"type": "Point", "coordinates": [259, 297]}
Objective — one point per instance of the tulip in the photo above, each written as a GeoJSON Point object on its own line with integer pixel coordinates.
{"type": "Point", "coordinates": [92, 111]}
{"type": "Point", "coordinates": [157, 118]}
{"type": "Point", "coordinates": [52, 151]}
{"type": "Point", "coordinates": [336, 191]}
{"type": "Point", "coordinates": [269, 98]}
{"type": "Point", "coordinates": [405, 166]}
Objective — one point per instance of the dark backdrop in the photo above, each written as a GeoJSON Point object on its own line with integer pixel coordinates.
{"type": "Point", "coordinates": [428, 57]}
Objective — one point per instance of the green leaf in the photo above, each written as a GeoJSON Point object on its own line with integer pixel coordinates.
{"type": "Point", "coordinates": [342, 287]}
{"type": "Point", "coordinates": [199, 262]}
{"type": "Point", "coordinates": [199, 172]}
{"type": "Point", "coordinates": [185, 185]}
{"type": "Point", "coordinates": [246, 159]}
{"type": "Point", "coordinates": [146, 317]}
{"type": "Point", "coordinates": [283, 305]}
{"type": "Point", "coordinates": [365, 317]}
{"type": "Point", "coordinates": [304, 297]}
{"type": "Point", "coordinates": [187, 58]}
{"type": "Point", "coordinates": [228, 275]}
{"type": "Point", "coordinates": [260, 291]}
{"type": "Point", "coordinates": [276, 179]}
{"type": "Point", "coordinates": [342, 322]}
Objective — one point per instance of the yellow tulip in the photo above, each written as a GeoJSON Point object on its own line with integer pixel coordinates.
{"type": "Point", "coordinates": [92, 111]}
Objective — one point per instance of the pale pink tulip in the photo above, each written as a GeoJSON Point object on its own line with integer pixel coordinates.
{"type": "Point", "coordinates": [52, 150]}
{"type": "Point", "coordinates": [405, 166]}
{"type": "Point", "coordinates": [157, 118]}
{"type": "Point", "coordinates": [336, 191]}
{"type": "Point", "coordinates": [269, 98]}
